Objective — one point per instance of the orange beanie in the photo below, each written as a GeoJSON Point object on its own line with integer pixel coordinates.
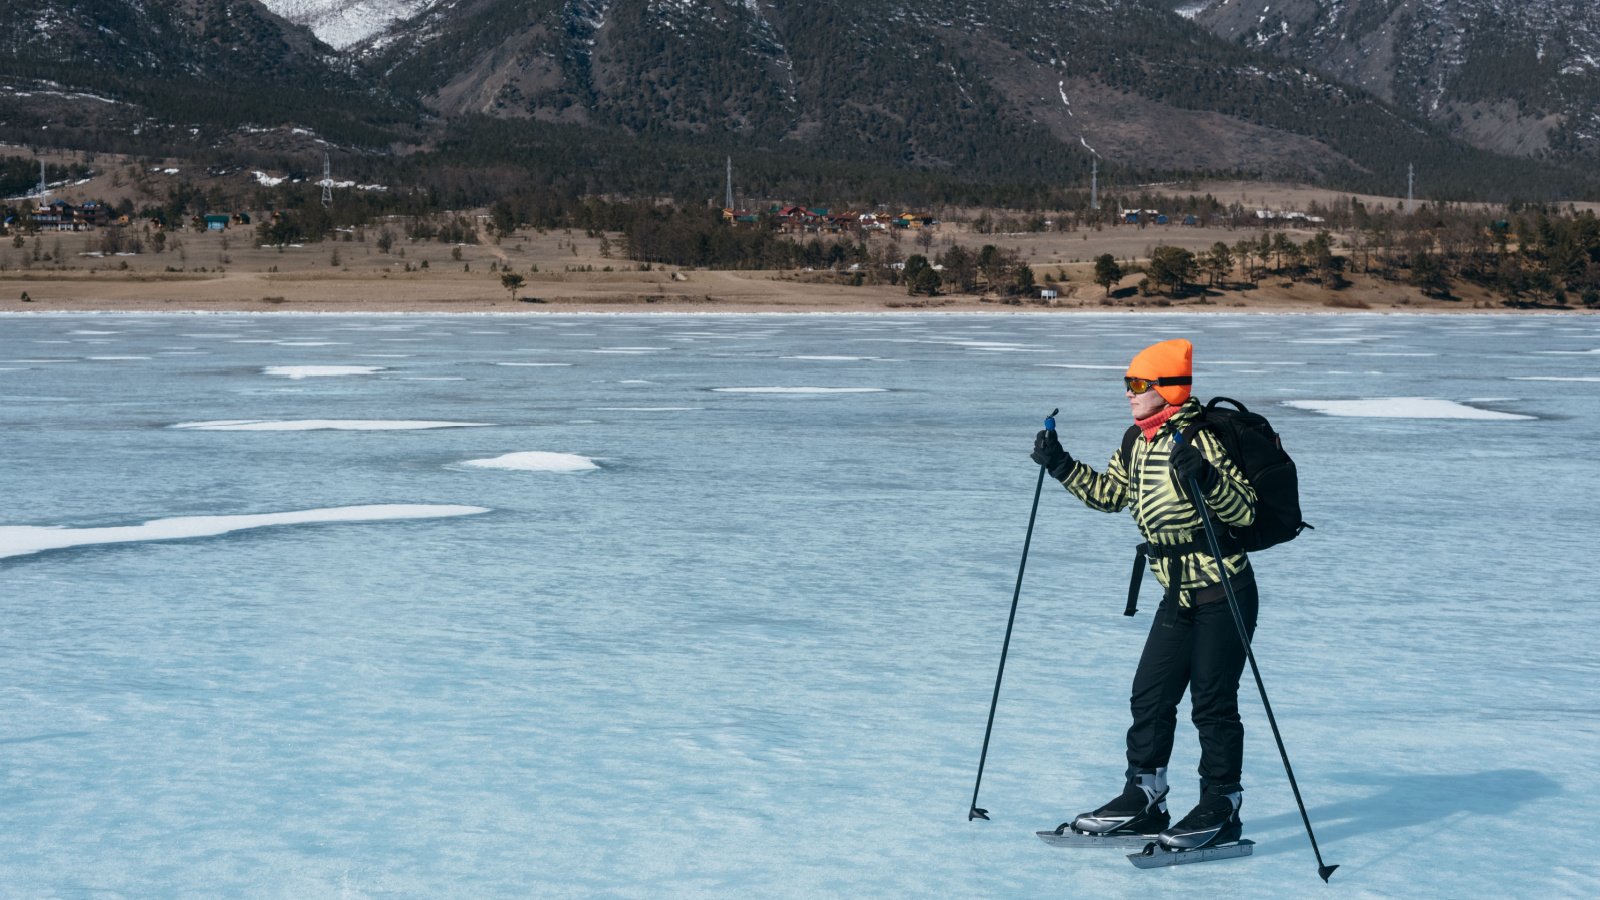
{"type": "Point", "coordinates": [1168, 359]}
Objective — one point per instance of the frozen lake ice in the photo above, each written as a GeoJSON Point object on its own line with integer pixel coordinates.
{"type": "Point", "coordinates": [711, 605]}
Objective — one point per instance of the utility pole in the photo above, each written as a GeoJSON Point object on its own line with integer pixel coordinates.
{"type": "Point", "coordinates": [327, 180]}
{"type": "Point", "coordinates": [1411, 175]}
{"type": "Point", "coordinates": [730, 183]}
{"type": "Point", "coordinates": [1094, 184]}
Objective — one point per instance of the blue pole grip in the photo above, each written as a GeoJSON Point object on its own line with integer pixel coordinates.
{"type": "Point", "coordinates": [1050, 420]}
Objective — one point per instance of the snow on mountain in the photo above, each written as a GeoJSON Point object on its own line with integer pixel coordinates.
{"type": "Point", "coordinates": [1512, 76]}
{"type": "Point", "coordinates": [340, 24]}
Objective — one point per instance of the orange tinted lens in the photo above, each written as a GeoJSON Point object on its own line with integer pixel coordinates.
{"type": "Point", "coordinates": [1138, 385]}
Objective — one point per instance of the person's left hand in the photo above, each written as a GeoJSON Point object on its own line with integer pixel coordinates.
{"type": "Point", "coordinates": [1191, 465]}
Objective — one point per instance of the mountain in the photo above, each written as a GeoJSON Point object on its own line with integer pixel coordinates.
{"type": "Point", "coordinates": [127, 65]}
{"type": "Point", "coordinates": [1513, 76]}
{"type": "Point", "coordinates": [628, 95]}
{"type": "Point", "coordinates": [1018, 88]}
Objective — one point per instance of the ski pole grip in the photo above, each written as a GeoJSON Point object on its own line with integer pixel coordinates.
{"type": "Point", "coordinates": [1050, 420]}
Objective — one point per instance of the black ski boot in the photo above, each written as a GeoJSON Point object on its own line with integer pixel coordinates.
{"type": "Point", "coordinates": [1141, 809]}
{"type": "Point", "coordinates": [1214, 821]}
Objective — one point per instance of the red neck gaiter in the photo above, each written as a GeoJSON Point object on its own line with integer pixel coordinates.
{"type": "Point", "coordinates": [1152, 424]}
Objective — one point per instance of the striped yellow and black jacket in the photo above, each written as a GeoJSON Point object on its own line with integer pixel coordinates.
{"type": "Point", "coordinates": [1165, 517]}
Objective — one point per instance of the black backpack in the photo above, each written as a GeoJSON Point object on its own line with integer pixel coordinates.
{"type": "Point", "coordinates": [1257, 450]}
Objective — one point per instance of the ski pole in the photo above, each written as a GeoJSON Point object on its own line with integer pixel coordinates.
{"type": "Point", "coordinates": [974, 812]}
{"type": "Point", "coordinates": [1198, 497]}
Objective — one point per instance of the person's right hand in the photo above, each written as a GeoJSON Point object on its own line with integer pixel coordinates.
{"type": "Point", "coordinates": [1048, 452]}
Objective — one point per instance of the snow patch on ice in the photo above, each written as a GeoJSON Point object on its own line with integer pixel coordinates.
{"type": "Point", "coordinates": [983, 345]}
{"type": "Point", "coordinates": [1403, 408]}
{"type": "Point", "coordinates": [298, 372]}
{"type": "Point", "coordinates": [799, 390]}
{"type": "Point", "coordinates": [1555, 378]}
{"type": "Point", "coordinates": [21, 540]}
{"type": "Point", "coordinates": [323, 425]}
{"type": "Point", "coordinates": [536, 461]}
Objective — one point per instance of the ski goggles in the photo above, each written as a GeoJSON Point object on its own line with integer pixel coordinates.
{"type": "Point", "coordinates": [1141, 385]}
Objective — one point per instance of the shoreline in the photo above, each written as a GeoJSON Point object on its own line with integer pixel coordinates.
{"type": "Point", "coordinates": [561, 273]}
{"type": "Point", "coordinates": [728, 293]}
{"type": "Point", "coordinates": [665, 313]}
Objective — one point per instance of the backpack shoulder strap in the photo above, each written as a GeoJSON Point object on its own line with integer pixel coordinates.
{"type": "Point", "coordinates": [1199, 422]}
{"type": "Point", "coordinates": [1128, 437]}
{"type": "Point", "coordinates": [1203, 421]}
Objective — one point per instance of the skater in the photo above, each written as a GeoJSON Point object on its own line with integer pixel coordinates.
{"type": "Point", "coordinates": [1193, 643]}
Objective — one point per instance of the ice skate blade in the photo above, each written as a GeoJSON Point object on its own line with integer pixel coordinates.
{"type": "Point", "coordinates": [1154, 856]}
{"type": "Point", "coordinates": [1070, 838]}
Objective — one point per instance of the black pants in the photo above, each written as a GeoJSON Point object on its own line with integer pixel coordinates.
{"type": "Point", "coordinates": [1197, 649]}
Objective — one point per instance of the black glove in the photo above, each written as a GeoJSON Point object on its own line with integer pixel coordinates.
{"type": "Point", "coordinates": [1191, 465]}
{"type": "Point", "coordinates": [1048, 452]}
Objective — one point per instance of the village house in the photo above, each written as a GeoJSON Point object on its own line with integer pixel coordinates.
{"type": "Point", "coordinates": [793, 219]}
{"type": "Point", "coordinates": [63, 216]}
{"type": "Point", "coordinates": [845, 221]}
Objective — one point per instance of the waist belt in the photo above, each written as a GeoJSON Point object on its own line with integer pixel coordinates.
{"type": "Point", "coordinates": [1172, 551]}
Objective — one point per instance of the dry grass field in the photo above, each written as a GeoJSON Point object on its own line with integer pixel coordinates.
{"type": "Point", "coordinates": [566, 271]}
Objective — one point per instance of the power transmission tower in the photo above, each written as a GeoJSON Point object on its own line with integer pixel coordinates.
{"type": "Point", "coordinates": [327, 180]}
{"type": "Point", "coordinates": [730, 183]}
